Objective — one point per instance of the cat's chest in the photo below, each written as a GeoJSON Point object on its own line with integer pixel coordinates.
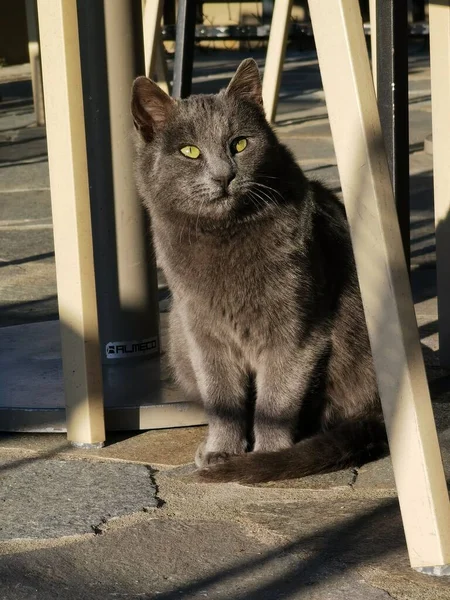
{"type": "Point", "coordinates": [239, 291]}
{"type": "Point", "coordinates": [233, 304]}
{"type": "Point", "coordinates": [225, 281]}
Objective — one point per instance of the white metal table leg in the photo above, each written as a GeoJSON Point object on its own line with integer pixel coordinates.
{"type": "Point", "coordinates": [152, 39]}
{"type": "Point", "coordinates": [275, 56]}
{"type": "Point", "coordinates": [58, 26]}
{"type": "Point", "coordinates": [161, 70]}
{"type": "Point", "coordinates": [384, 283]}
{"type": "Point", "coordinates": [439, 14]}
{"type": "Point", "coordinates": [373, 40]}
{"type": "Point", "coordinates": [35, 60]}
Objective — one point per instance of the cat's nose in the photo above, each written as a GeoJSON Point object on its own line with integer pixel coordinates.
{"type": "Point", "coordinates": [225, 179]}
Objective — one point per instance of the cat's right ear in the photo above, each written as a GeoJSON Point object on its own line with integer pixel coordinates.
{"type": "Point", "coordinates": [246, 83]}
{"type": "Point", "coordinates": [150, 107]}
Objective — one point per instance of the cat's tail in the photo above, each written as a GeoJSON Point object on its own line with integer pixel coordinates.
{"type": "Point", "coordinates": [350, 444]}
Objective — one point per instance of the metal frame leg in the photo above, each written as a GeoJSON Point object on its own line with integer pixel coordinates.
{"type": "Point", "coordinates": [373, 39]}
{"type": "Point", "coordinates": [71, 221]}
{"type": "Point", "coordinates": [267, 10]}
{"type": "Point", "coordinates": [384, 282]}
{"type": "Point", "coordinates": [35, 61]}
{"type": "Point", "coordinates": [392, 93]}
{"type": "Point", "coordinates": [161, 70]}
{"type": "Point", "coordinates": [276, 51]}
{"type": "Point", "coordinates": [184, 48]}
{"type": "Point", "coordinates": [440, 99]}
{"type": "Point", "coordinates": [155, 62]}
{"type": "Point", "coordinates": [151, 26]}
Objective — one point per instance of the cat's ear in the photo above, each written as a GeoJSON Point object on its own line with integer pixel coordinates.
{"type": "Point", "coordinates": [150, 107]}
{"type": "Point", "coordinates": [246, 83]}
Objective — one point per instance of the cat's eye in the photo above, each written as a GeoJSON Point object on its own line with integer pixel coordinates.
{"type": "Point", "coordinates": [238, 145]}
{"type": "Point", "coordinates": [190, 151]}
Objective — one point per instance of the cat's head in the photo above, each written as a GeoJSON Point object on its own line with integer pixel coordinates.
{"type": "Point", "coordinates": [208, 156]}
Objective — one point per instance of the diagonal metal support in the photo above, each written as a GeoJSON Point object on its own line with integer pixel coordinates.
{"type": "Point", "coordinates": [153, 44]}
{"type": "Point", "coordinates": [384, 281]}
{"type": "Point", "coordinates": [440, 98]}
{"type": "Point", "coordinates": [276, 51]}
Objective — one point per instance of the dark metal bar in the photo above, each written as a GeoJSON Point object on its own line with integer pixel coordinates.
{"type": "Point", "coordinates": [267, 11]}
{"type": "Point", "coordinates": [297, 32]}
{"type": "Point", "coordinates": [392, 90]}
{"type": "Point", "coordinates": [417, 10]}
{"type": "Point", "coordinates": [169, 17]}
{"type": "Point", "coordinates": [184, 49]}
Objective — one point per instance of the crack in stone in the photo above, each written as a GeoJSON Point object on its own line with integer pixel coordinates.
{"type": "Point", "coordinates": [374, 586]}
{"type": "Point", "coordinates": [159, 501]}
{"type": "Point", "coordinates": [354, 472]}
{"type": "Point", "coordinates": [103, 526]}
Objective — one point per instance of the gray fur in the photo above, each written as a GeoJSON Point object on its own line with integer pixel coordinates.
{"type": "Point", "coordinates": [265, 293]}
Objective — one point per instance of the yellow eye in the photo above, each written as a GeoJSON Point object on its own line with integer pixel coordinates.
{"type": "Point", "coordinates": [190, 151]}
{"type": "Point", "coordinates": [239, 145]}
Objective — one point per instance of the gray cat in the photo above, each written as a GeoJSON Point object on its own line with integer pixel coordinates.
{"type": "Point", "coordinates": [267, 327]}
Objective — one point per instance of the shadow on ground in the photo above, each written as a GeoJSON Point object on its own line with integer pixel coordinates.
{"type": "Point", "coordinates": [318, 559]}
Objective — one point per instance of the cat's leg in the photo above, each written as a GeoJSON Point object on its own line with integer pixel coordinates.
{"type": "Point", "coordinates": [179, 358]}
{"type": "Point", "coordinates": [223, 385]}
{"type": "Point", "coordinates": [210, 372]}
{"type": "Point", "coordinates": [282, 380]}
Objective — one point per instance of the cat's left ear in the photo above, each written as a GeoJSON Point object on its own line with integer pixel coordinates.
{"type": "Point", "coordinates": [246, 83]}
{"type": "Point", "coordinates": [150, 107]}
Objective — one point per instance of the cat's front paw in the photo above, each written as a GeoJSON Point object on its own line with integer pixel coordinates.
{"type": "Point", "coordinates": [205, 458]}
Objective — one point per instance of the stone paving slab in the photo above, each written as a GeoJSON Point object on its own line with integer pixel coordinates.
{"type": "Point", "coordinates": [23, 145]}
{"type": "Point", "coordinates": [333, 533]}
{"type": "Point", "coordinates": [169, 560]}
{"type": "Point", "coordinates": [27, 266]}
{"type": "Point", "coordinates": [25, 176]}
{"type": "Point", "coordinates": [53, 498]}
{"type": "Point", "coordinates": [378, 475]}
{"type": "Point", "coordinates": [307, 148]}
{"type": "Point", "coordinates": [27, 245]}
{"type": "Point", "coordinates": [338, 480]}
{"type": "Point", "coordinates": [25, 209]}
{"type": "Point", "coordinates": [313, 128]}
{"type": "Point", "coordinates": [18, 117]}
{"type": "Point", "coordinates": [170, 447]}
{"type": "Point", "coordinates": [419, 123]}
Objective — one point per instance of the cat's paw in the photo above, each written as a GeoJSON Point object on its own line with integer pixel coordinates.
{"type": "Point", "coordinates": [204, 458]}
